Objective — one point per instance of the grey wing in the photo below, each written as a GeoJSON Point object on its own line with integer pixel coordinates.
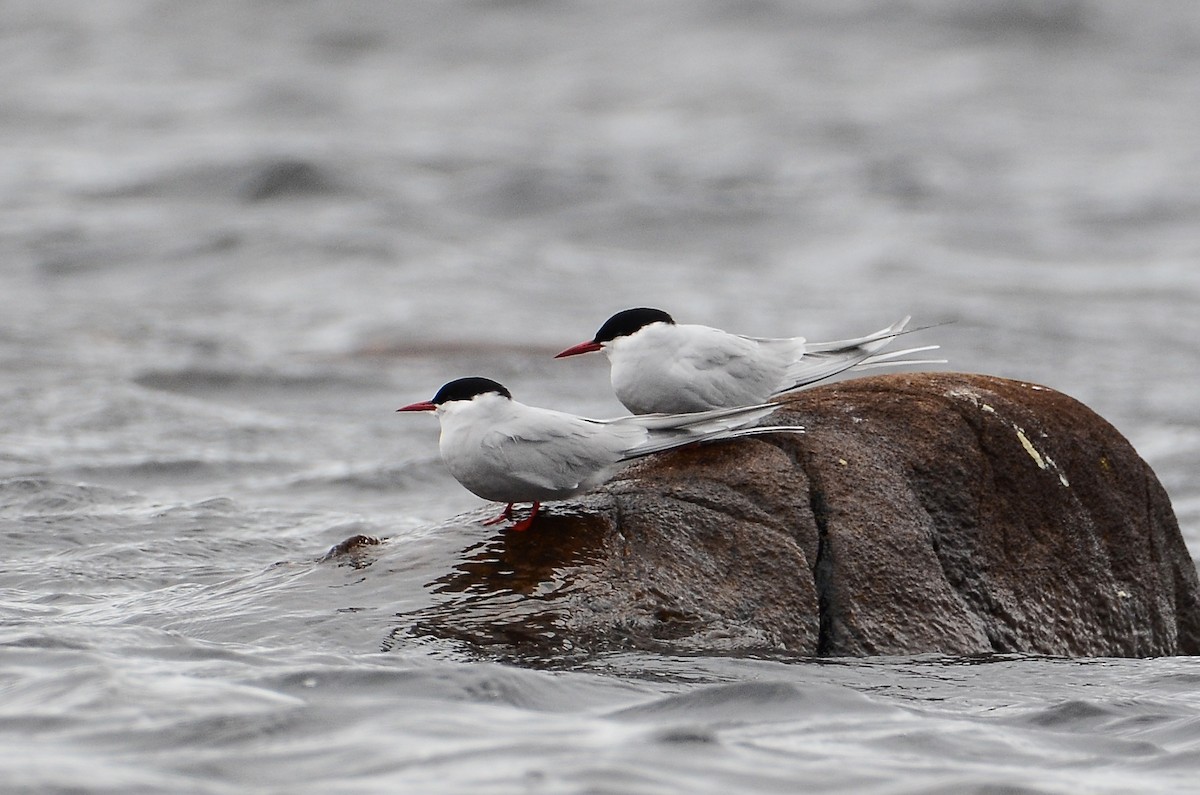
{"type": "Point", "coordinates": [562, 455]}
{"type": "Point", "coordinates": [736, 373]}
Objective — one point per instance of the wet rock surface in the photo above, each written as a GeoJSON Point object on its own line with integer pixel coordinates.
{"type": "Point", "coordinates": [921, 513]}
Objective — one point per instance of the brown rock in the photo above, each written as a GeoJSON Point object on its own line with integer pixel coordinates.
{"type": "Point", "coordinates": [930, 512]}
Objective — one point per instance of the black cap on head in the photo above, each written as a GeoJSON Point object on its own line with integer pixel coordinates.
{"type": "Point", "coordinates": [467, 388]}
{"type": "Point", "coordinates": [628, 321]}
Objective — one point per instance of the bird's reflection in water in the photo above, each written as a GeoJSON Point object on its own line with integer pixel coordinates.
{"type": "Point", "coordinates": [502, 591]}
{"type": "Point", "coordinates": [535, 562]}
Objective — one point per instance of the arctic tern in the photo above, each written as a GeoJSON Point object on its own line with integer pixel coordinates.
{"type": "Point", "coordinates": [658, 365]}
{"type": "Point", "coordinates": [508, 452]}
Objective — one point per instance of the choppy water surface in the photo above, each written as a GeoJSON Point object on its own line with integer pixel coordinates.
{"type": "Point", "coordinates": [235, 236]}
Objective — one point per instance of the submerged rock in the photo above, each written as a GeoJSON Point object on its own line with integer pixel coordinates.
{"type": "Point", "coordinates": [929, 512]}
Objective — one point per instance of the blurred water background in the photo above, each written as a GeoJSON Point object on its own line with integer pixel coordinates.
{"type": "Point", "coordinates": [235, 236]}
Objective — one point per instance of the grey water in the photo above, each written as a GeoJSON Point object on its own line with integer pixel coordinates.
{"type": "Point", "coordinates": [235, 236]}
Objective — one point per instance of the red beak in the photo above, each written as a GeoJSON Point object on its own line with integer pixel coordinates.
{"type": "Point", "coordinates": [424, 405]}
{"type": "Point", "coordinates": [583, 347]}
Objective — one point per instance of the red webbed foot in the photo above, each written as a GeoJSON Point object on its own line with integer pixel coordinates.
{"type": "Point", "coordinates": [527, 522]}
{"type": "Point", "coordinates": [504, 516]}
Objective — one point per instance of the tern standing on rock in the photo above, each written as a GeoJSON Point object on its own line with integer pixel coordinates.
{"type": "Point", "coordinates": [659, 365]}
{"type": "Point", "coordinates": [508, 452]}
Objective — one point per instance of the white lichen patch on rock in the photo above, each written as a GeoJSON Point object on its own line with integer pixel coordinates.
{"type": "Point", "coordinates": [1044, 462]}
{"type": "Point", "coordinates": [964, 393]}
{"type": "Point", "coordinates": [1029, 448]}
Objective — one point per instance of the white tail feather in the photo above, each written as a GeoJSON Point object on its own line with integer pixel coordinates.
{"type": "Point", "coordinates": [700, 421]}
{"type": "Point", "coordinates": [872, 342]}
{"type": "Point", "coordinates": [882, 357]}
{"type": "Point", "coordinates": [826, 359]}
{"type": "Point", "coordinates": [670, 441]}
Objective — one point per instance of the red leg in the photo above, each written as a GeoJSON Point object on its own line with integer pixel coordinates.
{"type": "Point", "coordinates": [525, 523]}
{"type": "Point", "coordinates": [504, 516]}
